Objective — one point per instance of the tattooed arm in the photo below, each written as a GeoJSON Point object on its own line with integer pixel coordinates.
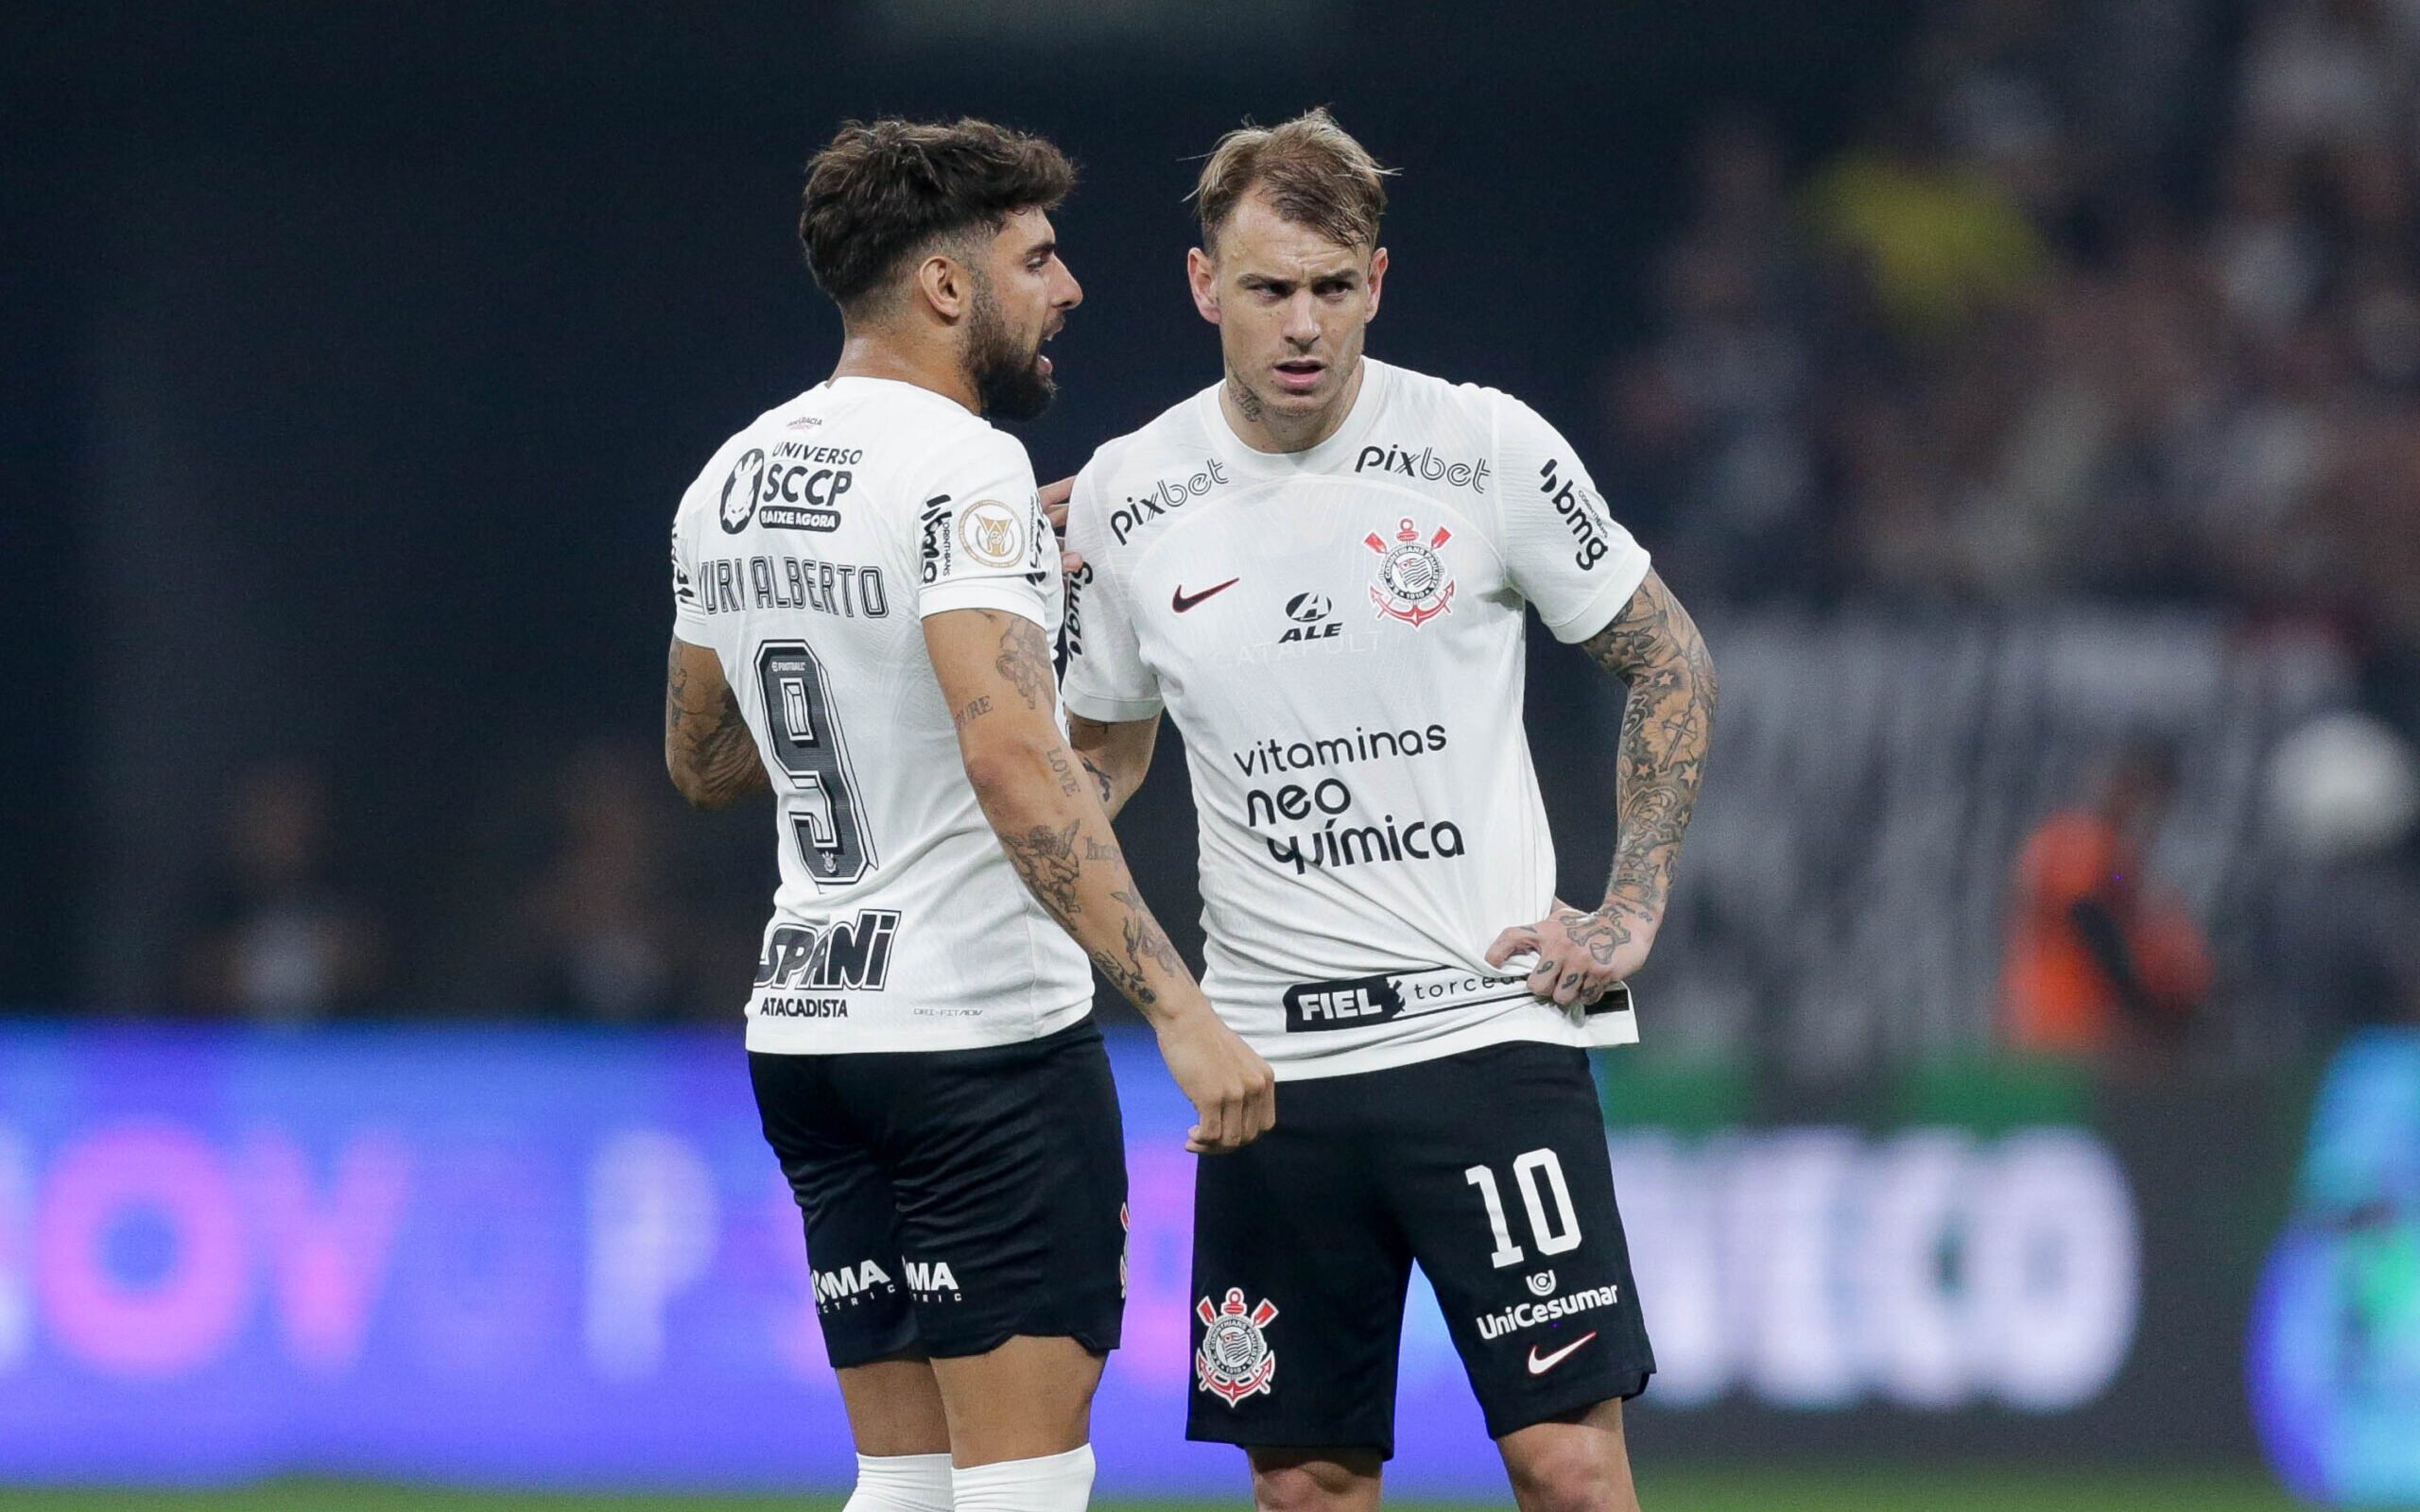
{"type": "Point", "coordinates": [707, 746]}
{"type": "Point", "coordinates": [1116, 757]}
{"type": "Point", "coordinates": [994, 669]}
{"type": "Point", "coordinates": [1667, 728]}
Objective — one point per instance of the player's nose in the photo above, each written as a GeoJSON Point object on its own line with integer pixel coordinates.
{"type": "Point", "coordinates": [1069, 293]}
{"type": "Point", "coordinates": [1302, 321]}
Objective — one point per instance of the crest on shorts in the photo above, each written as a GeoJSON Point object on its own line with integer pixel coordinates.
{"type": "Point", "coordinates": [1413, 585]}
{"type": "Point", "coordinates": [1234, 1360]}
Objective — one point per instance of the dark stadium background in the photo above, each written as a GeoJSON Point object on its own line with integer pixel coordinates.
{"type": "Point", "coordinates": [358, 357]}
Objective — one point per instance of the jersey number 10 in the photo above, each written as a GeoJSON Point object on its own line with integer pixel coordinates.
{"type": "Point", "coordinates": [1554, 1232]}
{"type": "Point", "coordinates": [805, 741]}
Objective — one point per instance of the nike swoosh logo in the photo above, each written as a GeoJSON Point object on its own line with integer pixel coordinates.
{"type": "Point", "coordinates": [1539, 1366]}
{"type": "Point", "coordinates": [1181, 601]}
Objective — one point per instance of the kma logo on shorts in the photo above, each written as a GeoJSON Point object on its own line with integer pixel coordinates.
{"type": "Point", "coordinates": [1234, 1360]}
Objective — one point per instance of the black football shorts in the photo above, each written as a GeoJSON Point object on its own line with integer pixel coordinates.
{"type": "Point", "coordinates": [955, 1198]}
{"type": "Point", "coordinates": [1489, 1169]}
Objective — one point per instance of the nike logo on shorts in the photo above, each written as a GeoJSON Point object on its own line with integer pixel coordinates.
{"type": "Point", "coordinates": [1539, 1366]}
{"type": "Point", "coordinates": [1181, 601]}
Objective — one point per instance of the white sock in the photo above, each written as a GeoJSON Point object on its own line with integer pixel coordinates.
{"type": "Point", "coordinates": [1055, 1483]}
{"type": "Point", "coordinates": [900, 1482]}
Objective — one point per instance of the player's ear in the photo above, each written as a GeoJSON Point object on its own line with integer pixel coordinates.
{"type": "Point", "coordinates": [1377, 283]}
{"type": "Point", "coordinates": [945, 285]}
{"type": "Point", "coordinates": [1202, 275]}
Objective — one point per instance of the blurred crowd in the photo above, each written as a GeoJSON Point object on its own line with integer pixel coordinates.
{"type": "Point", "coordinates": [591, 894]}
{"type": "Point", "coordinates": [2108, 303]}
{"type": "Point", "coordinates": [2115, 302]}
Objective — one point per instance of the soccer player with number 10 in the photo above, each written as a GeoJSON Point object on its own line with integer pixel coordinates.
{"type": "Point", "coordinates": [1320, 566]}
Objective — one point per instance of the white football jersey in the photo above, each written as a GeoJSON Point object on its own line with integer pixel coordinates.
{"type": "Point", "coordinates": [1338, 633]}
{"type": "Point", "coordinates": [805, 556]}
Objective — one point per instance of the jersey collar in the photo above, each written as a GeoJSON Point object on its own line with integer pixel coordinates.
{"type": "Point", "coordinates": [1378, 384]}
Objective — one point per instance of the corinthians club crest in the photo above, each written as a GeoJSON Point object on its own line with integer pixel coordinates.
{"type": "Point", "coordinates": [1413, 585]}
{"type": "Point", "coordinates": [1234, 1360]}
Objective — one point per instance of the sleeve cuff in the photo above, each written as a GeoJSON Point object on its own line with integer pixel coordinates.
{"type": "Point", "coordinates": [1603, 606]}
{"type": "Point", "coordinates": [1009, 595]}
{"type": "Point", "coordinates": [1105, 711]}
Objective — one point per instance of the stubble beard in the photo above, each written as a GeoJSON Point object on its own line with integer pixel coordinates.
{"type": "Point", "coordinates": [1008, 380]}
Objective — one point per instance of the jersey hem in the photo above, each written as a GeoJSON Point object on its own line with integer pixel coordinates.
{"type": "Point", "coordinates": [1599, 611]}
{"type": "Point", "coordinates": [1501, 1029]}
{"type": "Point", "coordinates": [943, 599]}
{"type": "Point", "coordinates": [1108, 710]}
{"type": "Point", "coordinates": [766, 1038]}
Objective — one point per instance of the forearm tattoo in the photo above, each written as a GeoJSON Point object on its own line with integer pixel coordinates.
{"type": "Point", "coordinates": [1025, 662]}
{"type": "Point", "coordinates": [1101, 780]}
{"type": "Point", "coordinates": [1046, 858]}
{"type": "Point", "coordinates": [1666, 729]}
{"type": "Point", "coordinates": [1144, 942]}
{"type": "Point", "coordinates": [713, 749]}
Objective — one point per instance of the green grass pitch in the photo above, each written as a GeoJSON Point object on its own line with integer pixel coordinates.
{"type": "Point", "coordinates": [1692, 1489]}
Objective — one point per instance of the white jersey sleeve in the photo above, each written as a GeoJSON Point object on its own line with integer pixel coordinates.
{"type": "Point", "coordinates": [983, 542]}
{"type": "Point", "coordinates": [1107, 677]}
{"type": "Point", "coordinates": [1561, 548]}
{"type": "Point", "coordinates": [688, 616]}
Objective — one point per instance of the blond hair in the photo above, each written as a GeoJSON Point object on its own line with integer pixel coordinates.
{"type": "Point", "coordinates": [1315, 174]}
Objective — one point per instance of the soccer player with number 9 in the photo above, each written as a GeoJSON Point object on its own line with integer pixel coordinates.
{"type": "Point", "coordinates": [866, 594]}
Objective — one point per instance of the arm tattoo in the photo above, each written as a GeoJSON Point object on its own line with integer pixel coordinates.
{"type": "Point", "coordinates": [1144, 941]}
{"type": "Point", "coordinates": [1064, 772]}
{"type": "Point", "coordinates": [713, 753]}
{"type": "Point", "coordinates": [1025, 661]}
{"type": "Point", "coordinates": [1667, 727]}
{"type": "Point", "coordinates": [1046, 858]}
{"type": "Point", "coordinates": [1100, 779]}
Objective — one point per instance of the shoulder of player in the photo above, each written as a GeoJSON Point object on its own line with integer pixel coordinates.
{"type": "Point", "coordinates": [766, 429]}
{"type": "Point", "coordinates": [1440, 410]}
{"type": "Point", "coordinates": [1131, 466]}
{"type": "Point", "coordinates": [1174, 432]}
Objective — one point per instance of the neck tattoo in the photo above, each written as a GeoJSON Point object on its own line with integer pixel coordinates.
{"type": "Point", "coordinates": [1247, 403]}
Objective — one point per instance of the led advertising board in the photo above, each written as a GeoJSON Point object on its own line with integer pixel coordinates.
{"type": "Point", "coordinates": [541, 1257]}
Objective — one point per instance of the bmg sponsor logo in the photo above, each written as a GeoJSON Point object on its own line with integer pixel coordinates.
{"type": "Point", "coordinates": [935, 547]}
{"type": "Point", "coordinates": [1581, 515]}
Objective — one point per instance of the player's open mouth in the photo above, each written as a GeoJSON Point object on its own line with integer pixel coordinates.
{"type": "Point", "coordinates": [1301, 375]}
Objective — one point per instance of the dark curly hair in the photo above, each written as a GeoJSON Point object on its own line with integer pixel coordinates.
{"type": "Point", "coordinates": [884, 190]}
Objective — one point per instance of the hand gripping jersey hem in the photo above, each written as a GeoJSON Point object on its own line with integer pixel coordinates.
{"type": "Point", "coordinates": [1107, 710]}
{"type": "Point", "coordinates": [1599, 611]}
{"type": "Point", "coordinates": [1012, 598]}
{"type": "Point", "coordinates": [891, 1037]}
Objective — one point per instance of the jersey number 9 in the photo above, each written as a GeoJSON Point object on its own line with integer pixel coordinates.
{"type": "Point", "coordinates": [805, 740]}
